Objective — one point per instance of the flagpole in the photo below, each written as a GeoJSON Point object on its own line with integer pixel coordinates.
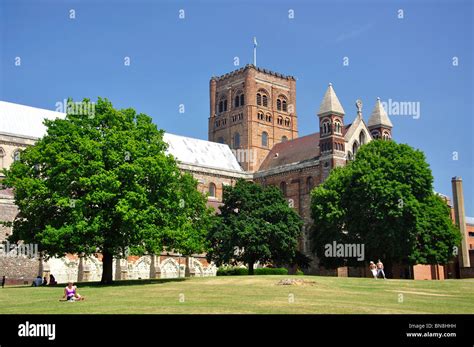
{"type": "Point", "coordinates": [255, 51]}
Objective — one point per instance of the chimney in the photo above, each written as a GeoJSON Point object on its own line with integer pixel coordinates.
{"type": "Point", "coordinates": [459, 217]}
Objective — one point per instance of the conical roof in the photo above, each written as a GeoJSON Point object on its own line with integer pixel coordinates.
{"type": "Point", "coordinates": [379, 116]}
{"type": "Point", "coordinates": [330, 103]}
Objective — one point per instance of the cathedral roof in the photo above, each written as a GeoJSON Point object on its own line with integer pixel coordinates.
{"type": "Point", "coordinates": [379, 116]}
{"type": "Point", "coordinates": [25, 121]}
{"type": "Point", "coordinates": [293, 151]}
{"type": "Point", "coordinates": [330, 103]}
{"type": "Point", "coordinates": [192, 151]}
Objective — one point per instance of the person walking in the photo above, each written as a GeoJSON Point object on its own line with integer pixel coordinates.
{"type": "Point", "coordinates": [373, 269]}
{"type": "Point", "coordinates": [380, 269]}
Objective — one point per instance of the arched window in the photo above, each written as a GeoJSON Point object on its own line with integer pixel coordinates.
{"type": "Point", "coordinates": [349, 155]}
{"type": "Point", "coordinates": [236, 140]}
{"type": "Point", "coordinates": [386, 135]}
{"type": "Point", "coordinates": [287, 122]}
{"type": "Point", "coordinates": [326, 127]}
{"type": "Point", "coordinates": [355, 147]}
{"type": "Point", "coordinates": [283, 188]}
{"type": "Point", "coordinates": [284, 139]}
{"type": "Point", "coordinates": [264, 139]}
{"type": "Point", "coordinates": [337, 127]}
{"type": "Point", "coordinates": [362, 137]}
{"type": "Point", "coordinates": [259, 99]}
{"type": "Point", "coordinates": [265, 100]}
{"type": "Point", "coordinates": [225, 105]}
{"type": "Point", "coordinates": [221, 106]}
{"type": "Point", "coordinates": [260, 116]}
{"type": "Point", "coordinates": [280, 120]}
{"type": "Point", "coordinates": [279, 104]}
{"type": "Point", "coordinates": [309, 184]}
{"type": "Point", "coordinates": [268, 118]}
{"type": "Point", "coordinates": [236, 101]}
{"type": "Point", "coordinates": [283, 105]}
{"type": "Point", "coordinates": [242, 100]}
{"type": "Point", "coordinates": [212, 190]}
{"type": "Point", "coordinates": [375, 134]}
{"type": "Point", "coordinates": [16, 155]}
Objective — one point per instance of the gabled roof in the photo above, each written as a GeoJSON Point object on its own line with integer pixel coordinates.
{"type": "Point", "coordinates": [292, 151]}
{"type": "Point", "coordinates": [379, 116]}
{"type": "Point", "coordinates": [24, 120]}
{"type": "Point", "coordinates": [330, 103]}
{"type": "Point", "coordinates": [192, 151]}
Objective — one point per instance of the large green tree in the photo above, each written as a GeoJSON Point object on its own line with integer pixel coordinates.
{"type": "Point", "coordinates": [255, 224]}
{"type": "Point", "coordinates": [103, 183]}
{"type": "Point", "coordinates": [383, 199]}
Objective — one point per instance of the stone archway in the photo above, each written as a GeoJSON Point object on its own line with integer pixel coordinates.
{"type": "Point", "coordinates": [141, 268]}
{"type": "Point", "coordinates": [169, 268]}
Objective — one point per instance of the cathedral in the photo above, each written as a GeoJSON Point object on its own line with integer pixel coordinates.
{"type": "Point", "coordinates": [253, 111]}
{"type": "Point", "coordinates": [252, 135]}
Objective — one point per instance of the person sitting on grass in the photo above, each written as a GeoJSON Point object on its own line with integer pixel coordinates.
{"type": "Point", "coordinates": [37, 282]}
{"type": "Point", "coordinates": [71, 294]}
{"type": "Point", "coordinates": [52, 280]}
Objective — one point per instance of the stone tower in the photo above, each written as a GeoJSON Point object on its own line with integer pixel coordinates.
{"type": "Point", "coordinates": [252, 109]}
{"type": "Point", "coordinates": [379, 124]}
{"type": "Point", "coordinates": [331, 134]}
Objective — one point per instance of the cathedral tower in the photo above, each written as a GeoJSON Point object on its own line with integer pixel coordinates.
{"type": "Point", "coordinates": [252, 109]}
{"type": "Point", "coordinates": [379, 124]}
{"type": "Point", "coordinates": [331, 134]}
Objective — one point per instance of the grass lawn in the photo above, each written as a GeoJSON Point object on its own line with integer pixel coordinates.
{"type": "Point", "coordinates": [249, 294]}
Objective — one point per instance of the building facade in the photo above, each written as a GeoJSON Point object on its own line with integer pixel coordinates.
{"type": "Point", "coordinates": [252, 135]}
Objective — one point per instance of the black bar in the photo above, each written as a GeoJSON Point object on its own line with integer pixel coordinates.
{"type": "Point", "coordinates": [223, 330]}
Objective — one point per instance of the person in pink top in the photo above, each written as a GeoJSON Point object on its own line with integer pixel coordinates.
{"type": "Point", "coordinates": [71, 294]}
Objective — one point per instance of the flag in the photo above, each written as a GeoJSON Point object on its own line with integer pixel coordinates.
{"type": "Point", "coordinates": [254, 42]}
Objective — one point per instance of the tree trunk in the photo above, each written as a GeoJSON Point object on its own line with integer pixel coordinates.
{"type": "Point", "coordinates": [251, 263]}
{"type": "Point", "coordinates": [107, 267]}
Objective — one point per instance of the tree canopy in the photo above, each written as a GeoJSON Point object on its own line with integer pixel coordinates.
{"type": "Point", "coordinates": [103, 183]}
{"type": "Point", "coordinates": [255, 224]}
{"type": "Point", "coordinates": [383, 199]}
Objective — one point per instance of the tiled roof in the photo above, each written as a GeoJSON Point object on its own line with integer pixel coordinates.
{"type": "Point", "coordinates": [292, 151]}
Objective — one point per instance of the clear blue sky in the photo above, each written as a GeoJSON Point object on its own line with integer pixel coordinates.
{"type": "Point", "coordinates": [172, 60]}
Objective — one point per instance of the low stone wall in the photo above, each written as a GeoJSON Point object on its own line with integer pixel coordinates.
{"type": "Point", "coordinates": [72, 268]}
{"type": "Point", "coordinates": [19, 269]}
{"type": "Point", "coordinates": [467, 272]}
